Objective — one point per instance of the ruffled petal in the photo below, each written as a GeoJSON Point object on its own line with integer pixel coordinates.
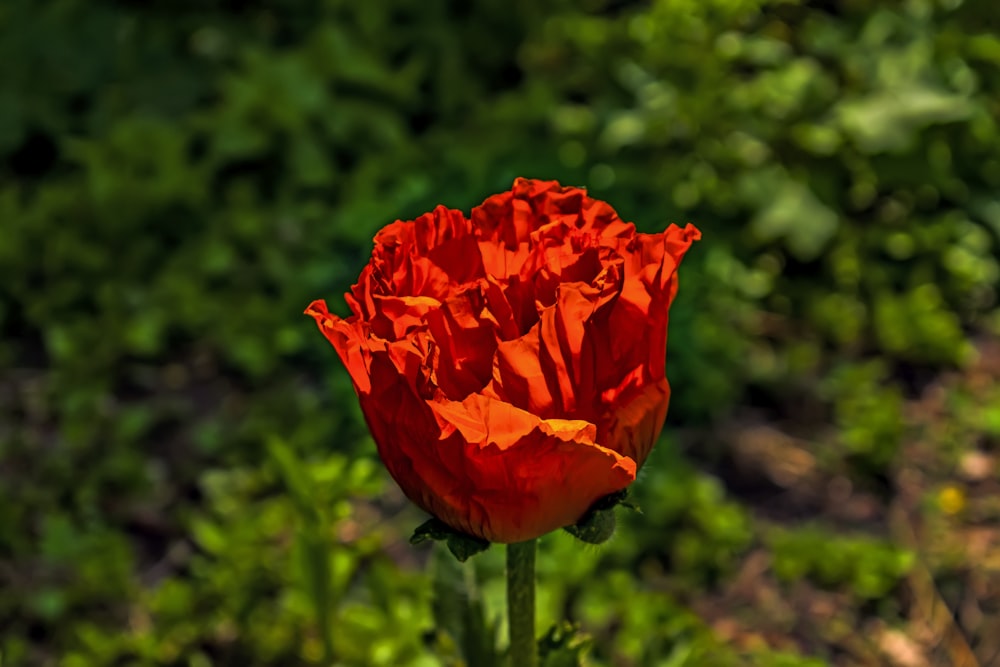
{"type": "Point", "coordinates": [349, 339]}
{"type": "Point", "coordinates": [407, 434]}
{"type": "Point", "coordinates": [466, 336]}
{"type": "Point", "coordinates": [641, 314]}
{"type": "Point", "coordinates": [550, 370]}
{"type": "Point", "coordinates": [526, 476]}
{"type": "Point", "coordinates": [520, 378]}
{"type": "Point", "coordinates": [428, 257]}
{"type": "Point", "coordinates": [632, 417]}
{"type": "Point", "coordinates": [396, 317]}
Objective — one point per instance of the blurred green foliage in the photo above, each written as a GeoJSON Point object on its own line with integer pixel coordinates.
{"type": "Point", "coordinates": [186, 478]}
{"type": "Point", "coordinates": [867, 566]}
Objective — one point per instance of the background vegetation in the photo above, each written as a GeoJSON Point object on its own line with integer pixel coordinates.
{"type": "Point", "coordinates": [185, 476]}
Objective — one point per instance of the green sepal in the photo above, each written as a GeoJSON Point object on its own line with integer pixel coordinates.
{"type": "Point", "coordinates": [564, 646]}
{"type": "Point", "coordinates": [598, 524]}
{"type": "Point", "coordinates": [595, 527]}
{"type": "Point", "coordinates": [461, 546]}
{"type": "Point", "coordinates": [615, 499]}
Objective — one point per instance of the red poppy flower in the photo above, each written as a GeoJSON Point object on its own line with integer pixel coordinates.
{"type": "Point", "coordinates": [511, 365]}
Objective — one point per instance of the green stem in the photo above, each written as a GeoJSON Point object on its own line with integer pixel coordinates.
{"type": "Point", "coordinates": [521, 603]}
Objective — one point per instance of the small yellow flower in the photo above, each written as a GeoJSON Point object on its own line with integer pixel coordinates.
{"type": "Point", "coordinates": [951, 499]}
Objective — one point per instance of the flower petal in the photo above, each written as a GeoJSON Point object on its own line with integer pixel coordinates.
{"type": "Point", "coordinates": [633, 418]}
{"type": "Point", "coordinates": [526, 476]}
{"type": "Point", "coordinates": [466, 337]}
{"type": "Point", "coordinates": [350, 341]}
{"type": "Point", "coordinates": [550, 370]}
{"type": "Point", "coordinates": [426, 257]}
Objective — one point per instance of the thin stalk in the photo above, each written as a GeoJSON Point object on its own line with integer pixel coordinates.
{"type": "Point", "coordinates": [521, 603]}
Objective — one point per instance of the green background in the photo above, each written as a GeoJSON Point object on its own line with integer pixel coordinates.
{"type": "Point", "coordinates": [186, 479]}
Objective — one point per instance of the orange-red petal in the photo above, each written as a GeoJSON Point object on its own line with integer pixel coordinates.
{"type": "Point", "coordinates": [526, 476]}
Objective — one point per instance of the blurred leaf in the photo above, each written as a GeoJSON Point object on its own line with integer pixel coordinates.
{"type": "Point", "coordinates": [459, 612]}
{"type": "Point", "coordinates": [564, 646]}
{"type": "Point", "coordinates": [796, 215]}
{"type": "Point", "coordinates": [296, 479]}
{"type": "Point", "coordinates": [890, 120]}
